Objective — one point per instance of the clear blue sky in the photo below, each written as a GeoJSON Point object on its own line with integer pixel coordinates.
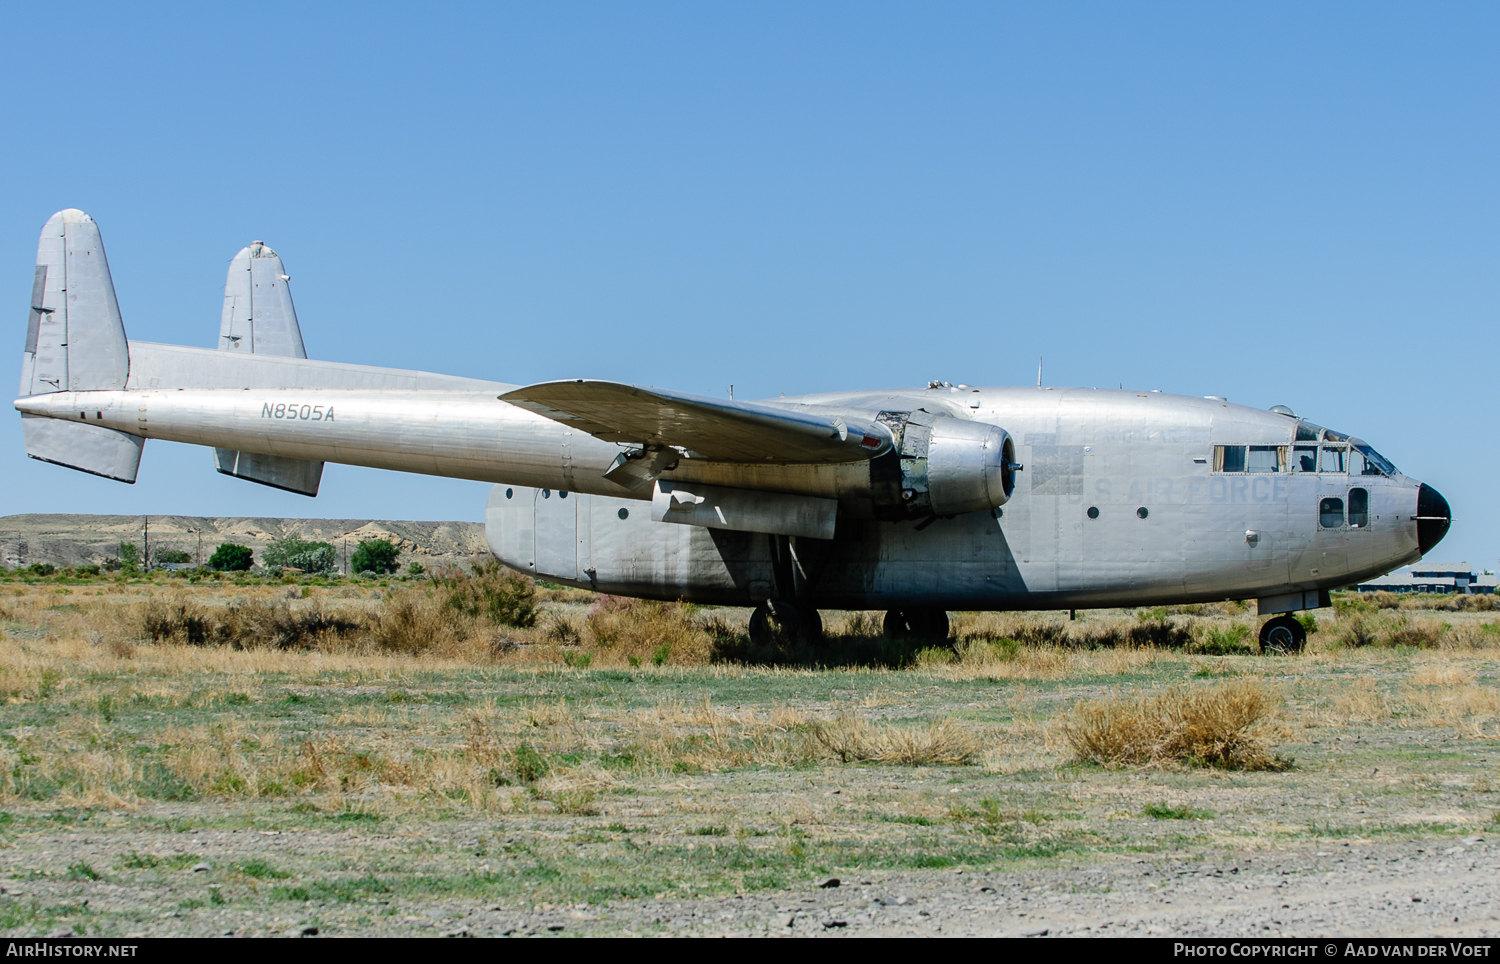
{"type": "Point", "coordinates": [1281, 203]}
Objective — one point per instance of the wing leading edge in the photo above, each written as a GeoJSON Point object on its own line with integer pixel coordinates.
{"type": "Point", "coordinates": [708, 428]}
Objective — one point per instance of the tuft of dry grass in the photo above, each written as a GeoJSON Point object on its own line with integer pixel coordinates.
{"type": "Point", "coordinates": [854, 739]}
{"type": "Point", "coordinates": [644, 630]}
{"type": "Point", "coordinates": [1225, 726]}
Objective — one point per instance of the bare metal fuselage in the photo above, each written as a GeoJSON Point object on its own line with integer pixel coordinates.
{"type": "Point", "coordinates": [1168, 526]}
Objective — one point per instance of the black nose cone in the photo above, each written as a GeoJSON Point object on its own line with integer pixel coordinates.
{"type": "Point", "coordinates": [1433, 518]}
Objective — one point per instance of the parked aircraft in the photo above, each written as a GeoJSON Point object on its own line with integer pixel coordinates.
{"type": "Point", "coordinates": [914, 501]}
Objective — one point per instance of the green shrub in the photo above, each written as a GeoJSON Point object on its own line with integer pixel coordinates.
{"type": "Point", "coordinates": [375, 555]}
{"type": "Point", "coordinates": [1223, 641]}
{"type": "Point", "coordinates": [41, 568]}
{"type": "Point", "coordinates": [489, 591]}
{"type": "Point", "coordinates": [295, 552]}
{"type": "Point", "coordinates": [230, 557]}
{"type": "Point", "coordinates": [529, 765]}
{"type": "Point", "coordinates": [130, 556]}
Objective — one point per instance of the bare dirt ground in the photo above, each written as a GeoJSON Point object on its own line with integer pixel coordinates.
{"type": "Point", "coordinates": [549, 788]}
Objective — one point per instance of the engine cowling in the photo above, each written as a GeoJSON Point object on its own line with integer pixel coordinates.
{"type": "Point", "coordinates": [941, 466]}
{"type": "Point", "coordinates": [970, 466]}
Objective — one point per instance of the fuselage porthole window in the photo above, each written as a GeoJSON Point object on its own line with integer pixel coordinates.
{"type": "Point", "coordinates": [510, 493]}
{"type": "Point", "coordinates": [1359, 508]}
{"type": "Point", "coordinates": [1331, 513]}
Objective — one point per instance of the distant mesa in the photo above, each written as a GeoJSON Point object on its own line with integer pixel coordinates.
{"type": "Point", "coordinates": [82, 540]}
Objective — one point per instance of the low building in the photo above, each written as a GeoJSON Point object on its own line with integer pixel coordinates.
{"type": "Point", "coordinates": [1438, 577]}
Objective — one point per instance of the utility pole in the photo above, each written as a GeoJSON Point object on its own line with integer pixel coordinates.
{"type": "Point", "coordinates": [146, 539]}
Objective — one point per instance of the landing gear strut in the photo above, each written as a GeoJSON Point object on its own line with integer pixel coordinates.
{"type": "Point", "coordinates": [785, 624]}
{"type": "Point", "coordinates": [1282, 636]}
{"type": "Point", "coordinates": [927, 625]}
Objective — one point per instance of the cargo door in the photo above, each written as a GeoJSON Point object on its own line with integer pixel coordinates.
{"type": "Point", "coordinates": [557, 534]}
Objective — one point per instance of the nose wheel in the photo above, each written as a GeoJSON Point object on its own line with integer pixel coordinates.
{"type": "Point", "coordinates": [927, 625]}
{"type": "Point", "coordinates": [1282, 636]}
{"type": "Point", "coordinates": [785, 625]}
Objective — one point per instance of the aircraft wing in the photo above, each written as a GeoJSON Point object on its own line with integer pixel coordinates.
{"type": "Point", "coordinates": [709, 428]}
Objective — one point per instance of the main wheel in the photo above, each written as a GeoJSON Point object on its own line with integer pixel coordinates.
{"type": "Point", "coordinates": [927, 625]}
{"type": "Point", "coordinates": [1282, 636]}
{"type": "Point", "coordinates": [785, 624]}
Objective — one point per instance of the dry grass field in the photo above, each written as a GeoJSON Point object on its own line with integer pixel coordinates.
{"type": "Point", "coordinates": [472, 754]}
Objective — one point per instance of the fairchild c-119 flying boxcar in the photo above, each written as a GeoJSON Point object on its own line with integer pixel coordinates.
{"type": "Point", "coordinates": [912, 501]}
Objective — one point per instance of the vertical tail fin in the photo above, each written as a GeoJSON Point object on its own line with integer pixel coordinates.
{"type": "Point", "coordinates": [258, 312]}
{"type": "Point", "coordinates": [259, 318]}
{"type": "Point", "coordinates": [75, 341]}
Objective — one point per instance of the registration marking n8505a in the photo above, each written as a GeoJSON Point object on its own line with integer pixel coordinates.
{"type": "Point", "coordinates": [305, 413]}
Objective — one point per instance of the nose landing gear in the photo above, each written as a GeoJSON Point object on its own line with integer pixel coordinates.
{"type": "Point", "coordinates": [1283, 636]}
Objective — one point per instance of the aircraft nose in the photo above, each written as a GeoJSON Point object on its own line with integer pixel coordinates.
{"type": "Point", "coordinates": [1433, 518]}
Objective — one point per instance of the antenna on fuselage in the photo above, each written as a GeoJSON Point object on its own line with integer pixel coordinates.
{"type": "Point", "coordinates": [1039, 371]}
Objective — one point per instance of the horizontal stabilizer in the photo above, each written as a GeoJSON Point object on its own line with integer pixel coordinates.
{"type": "Point", "coordinates": [709, 428]}
{"type": "Point", "coordinates": [87, 448]}
{"type": "Point", "coordinates": [294, 475]}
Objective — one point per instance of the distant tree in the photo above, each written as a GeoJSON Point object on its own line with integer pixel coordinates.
{"type": "Point", "coordinates": [231, 557]}
{"type": "Point", "coordinates": [375, 555]}
{"type": "Point", "coordinates": [294, 552]}
{"type": "Point", "coordinates": [41, 568]}
{"type": "Point", "coordinates": [130, 557]}
{"type": "Point", "coordinates": [173, 556]}
{"type": "Point", "coordinates": [416, 569]}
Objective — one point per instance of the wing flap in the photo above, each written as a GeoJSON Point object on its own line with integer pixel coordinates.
{"type": "Point", "coordinates": [708, 428]}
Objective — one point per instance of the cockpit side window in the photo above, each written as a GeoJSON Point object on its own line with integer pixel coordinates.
{"type": "Point", "coordinates": [1304, 458]}
{"type": "Point", "coordinates": [1375, 463]}
{"type": "Point", "coordinates": [1333, 458]}
{"type": "Point", "coordinates": [1308, 432]}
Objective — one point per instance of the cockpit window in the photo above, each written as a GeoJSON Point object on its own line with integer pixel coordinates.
{"type": "Point", "coordinates": [1375, 463]}
{"type": "Point", "coordinates": [1304, 458]}
{"type": "Point", "coordinates": [1333, 458]}
{"type": "Point", "coordinates": [1308, 432]}
{"type": "Point", "coordinates": [1329, 435]}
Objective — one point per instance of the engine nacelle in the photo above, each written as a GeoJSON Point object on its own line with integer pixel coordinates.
{"type": "Point", "coordinates": [941, 466]}
{"type": "Point", "coordinates": [970, 466]}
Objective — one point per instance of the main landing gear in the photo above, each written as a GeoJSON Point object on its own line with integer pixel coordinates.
{"type": "Point", "coordinates": [927, 625]}
{"type": "Point", "coordinates": [785, 624]}
{"type": "Point", "coordinates": [1283, 635]}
